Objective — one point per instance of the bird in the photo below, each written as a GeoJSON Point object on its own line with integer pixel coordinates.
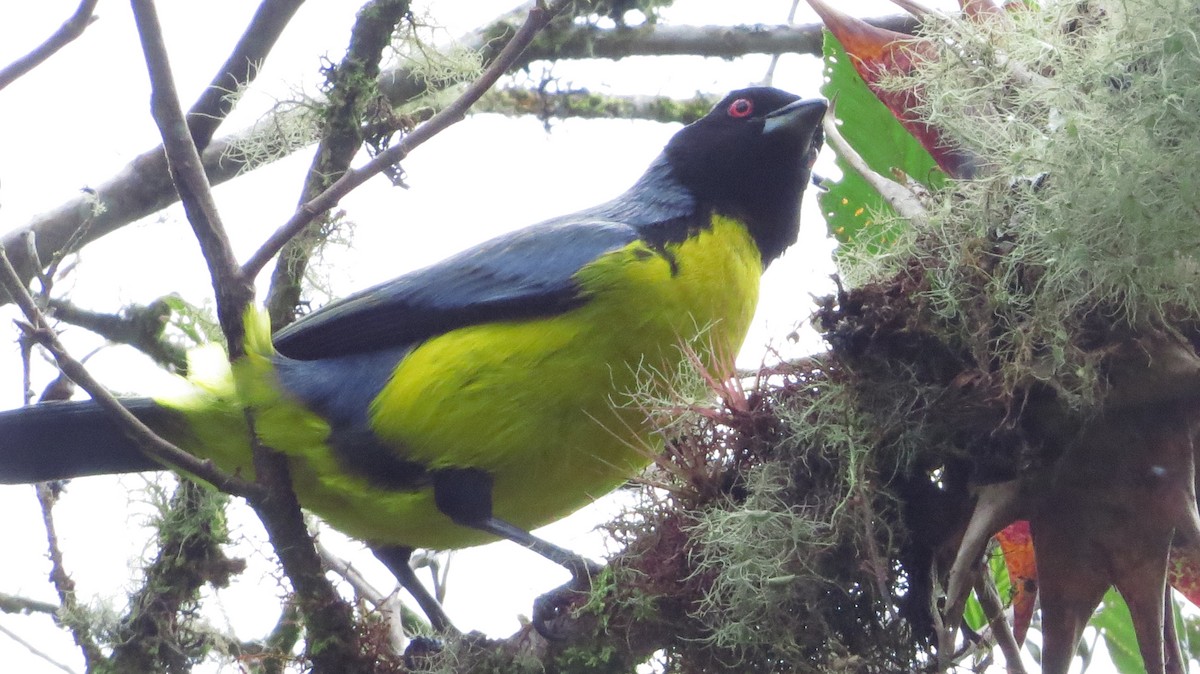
{"type": "Point", "coordinates": [492, 392]}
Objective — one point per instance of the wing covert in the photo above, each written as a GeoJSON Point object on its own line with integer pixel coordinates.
{"type": "Point", "coordinates": [523, 274]}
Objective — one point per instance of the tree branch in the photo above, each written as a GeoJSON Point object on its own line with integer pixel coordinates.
{"type": "Point", "coordinates": [350, 87]}
{"type": "Point", "coordinates": [66, 33]}
{"type": "Point", "coordinates": [240, 68]}
{"type": "Point", "coordinates": [233, 293]}
{"type": "Point", "coordinates": [724, 42]}
{"type": "Point", "coordinates": [538, 18]}
{"type": "Point", "coordinates": [584, 104]}
{"type": "Point", "coordinates": [138, 326]}
{"type": "Point", "coordinates": [10, 603]}
{"type": "Point", "coordinates": [35, 650]}
{"type": "Point", "coordinates": [333, 645]}
{"type": "Point", "coordinates": [142, 187]}
{"type": "Point", "coordinates": [155, 447]}
{"type": "Point", "coordinates": [72, 615]}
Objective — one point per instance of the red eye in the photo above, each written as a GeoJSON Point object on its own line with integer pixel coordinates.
{"type": "Point", "coordinates": [740, 108]}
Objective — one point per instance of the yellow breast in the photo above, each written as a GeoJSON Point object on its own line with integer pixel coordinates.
{"type": "Point", "coordinates": [544, 405]}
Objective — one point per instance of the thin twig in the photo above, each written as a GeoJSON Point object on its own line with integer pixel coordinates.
{"type": "Point", "coordinates": [35, 650]}
{"type": "Point", "coordinates": [387, 604]}
{"type": "Point", "coordinates": [769, 78]}
{"type": "Point", "coordinates": [64, 585]}
{"type": "Point", "coordinates": [66, 33]}
{"type": "Point", "coordinates": [900, 197]}
{"type": "Point", "coordinates": [538, 17]}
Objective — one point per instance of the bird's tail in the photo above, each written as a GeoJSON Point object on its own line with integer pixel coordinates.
{"type": "Point", "coordinates": [59, 440]}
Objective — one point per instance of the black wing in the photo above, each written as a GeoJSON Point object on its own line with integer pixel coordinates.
{"type": "Point", "coordinates": [524, 274]}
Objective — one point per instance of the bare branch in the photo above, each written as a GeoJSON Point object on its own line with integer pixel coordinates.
{"type": "Point", "coordinates": [333, 644]}
{"type": "Point", "coordinates": [451, 114]}
{"type": "Point", "coordinates": [66, 33]}
{"type": "Point", "coordinates": [903, 198]}
{"type": "Point", "coordinates": [233, 292]}
{"type": "Point", "coordinates": [389, 605]}
{"type": "Point", "coordinates": [240, 68]}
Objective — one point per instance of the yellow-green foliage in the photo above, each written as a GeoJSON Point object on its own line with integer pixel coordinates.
{"type": "Point", "coordinates": [1086, 217]}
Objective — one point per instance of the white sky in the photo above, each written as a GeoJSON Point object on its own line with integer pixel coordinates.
{"type": "Point", "coordinates": [76, 120]}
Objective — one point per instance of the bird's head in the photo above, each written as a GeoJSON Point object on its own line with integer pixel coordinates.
{"type": "Point", "coordinates": [751, 157]}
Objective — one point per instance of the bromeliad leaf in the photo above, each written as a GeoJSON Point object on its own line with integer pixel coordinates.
{"type": "Point", "coordinates": [877, 54]}
{"type": "Point", "coordinates": [851, 205]}
{"type": "Point", "coordinates": [1017, 544]}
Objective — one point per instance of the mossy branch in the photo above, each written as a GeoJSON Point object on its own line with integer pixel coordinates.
{"type": "Point", "coordinates": [350, 89]}
{"type": "Point", "coordinates": [139, 326]}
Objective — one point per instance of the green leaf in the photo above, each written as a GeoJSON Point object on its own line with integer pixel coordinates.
{"type": "Point", "coordinates": [1189, 634]}
{"type": "Point", "coordinates": [1116, 627]}
{"type": "Point", "coordinates": [973, 614]}
{"type": "Point", "coordinates": [851, 204]}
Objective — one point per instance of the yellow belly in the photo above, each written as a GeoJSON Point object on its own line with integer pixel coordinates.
{"type": "Point", "coordinates": [542, 405]}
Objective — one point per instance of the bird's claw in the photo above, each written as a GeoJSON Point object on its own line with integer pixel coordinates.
{"type": "Point", "coordinates": [420, 649]}
{"type": "Point", "coordinates": [552, 611]}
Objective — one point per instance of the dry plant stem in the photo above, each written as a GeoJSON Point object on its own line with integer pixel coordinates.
{"type": "Point", "coordinates": [900, 198]}
{"type": "Point", "coordinates": [537, 19]}
{"type": "Point", "coordinates": [993, 608]}
{"type": "Point", "coordinates": [66, 33]}
{"type": "Point", "coordinates": [155, 447]}
{"type": "Point", "coordinates": [769, 77]}
{"type": "Point", "coordinates": [389, 605]}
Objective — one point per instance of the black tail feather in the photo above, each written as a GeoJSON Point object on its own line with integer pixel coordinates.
{"type": "Point", "coordinates": [59, 440]}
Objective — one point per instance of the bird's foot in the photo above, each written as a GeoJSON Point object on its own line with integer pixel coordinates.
{"type": "Point", "coordinates": [552, 612]}
{"type": "Point", "coordinates": [419, 652]}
